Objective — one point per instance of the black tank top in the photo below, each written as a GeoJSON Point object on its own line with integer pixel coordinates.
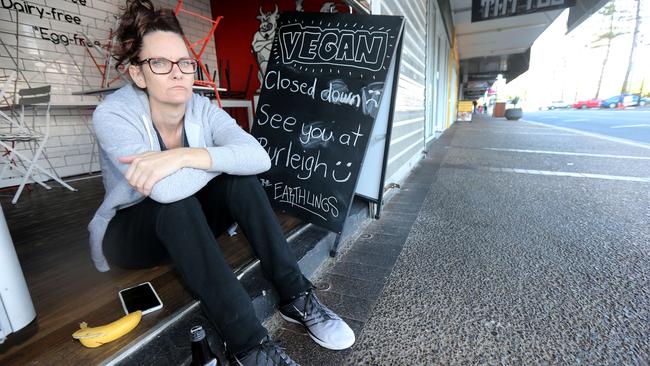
{"type": "Point", "coordinates": [162, 144]}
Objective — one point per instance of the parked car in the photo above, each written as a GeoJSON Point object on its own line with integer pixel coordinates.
{"type": "Point", "coordinates": [644, 101]}
{"type": "Point", "coordinates": [627, 100]}
{"type": "Point", "coordinates": [591, 103]}
{"type": "Point", "coordinates": [558, 104]}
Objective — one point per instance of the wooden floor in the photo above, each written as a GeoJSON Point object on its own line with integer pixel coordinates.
{"type": "Point", "coordinates": [49, 232]}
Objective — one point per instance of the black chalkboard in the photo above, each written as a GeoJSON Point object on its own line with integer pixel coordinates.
{"type": "Point", "coordinates": [319, 99]}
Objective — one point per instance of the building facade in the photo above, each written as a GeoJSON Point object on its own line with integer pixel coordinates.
{"type": "Point", "coordinates": [65, 43]}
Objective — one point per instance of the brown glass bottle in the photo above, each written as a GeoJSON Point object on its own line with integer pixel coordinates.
{"type": "Point", "coordinates": [201, 353]}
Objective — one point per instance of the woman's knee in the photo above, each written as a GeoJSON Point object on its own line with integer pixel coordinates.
{"type": "Point", "coordinates": [247, 189]}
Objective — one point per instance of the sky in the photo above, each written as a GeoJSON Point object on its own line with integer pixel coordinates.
{"type": "Point", "coordinates": [567, 67]}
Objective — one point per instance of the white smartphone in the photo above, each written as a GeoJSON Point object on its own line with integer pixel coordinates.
{"type": "Point", "coordinates": [140, 297]}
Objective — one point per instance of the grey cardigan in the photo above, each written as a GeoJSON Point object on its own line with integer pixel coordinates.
{"type": "Point", "coordinates": [123, 127]}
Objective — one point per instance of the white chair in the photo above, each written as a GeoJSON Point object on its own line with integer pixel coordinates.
{"type": "Point", "coordinates": [16, 132]}
{"type": "Point", "coordinates": [6, 84]}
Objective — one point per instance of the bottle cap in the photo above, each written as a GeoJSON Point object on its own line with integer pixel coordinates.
{"type": "Point", "coordinates": [197, 333]}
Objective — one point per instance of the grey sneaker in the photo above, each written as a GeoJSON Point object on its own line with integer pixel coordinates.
{"type": "Point", "coordinates": [267, 353]}
{"type": "Point", "coordinates": [324, 327]}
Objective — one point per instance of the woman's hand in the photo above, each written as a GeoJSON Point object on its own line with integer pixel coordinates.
{"type": "Point", "coordinates": [146, 169]}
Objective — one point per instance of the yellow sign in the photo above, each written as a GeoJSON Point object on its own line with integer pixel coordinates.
{"type": "Point", "coordinates": [465, 106]}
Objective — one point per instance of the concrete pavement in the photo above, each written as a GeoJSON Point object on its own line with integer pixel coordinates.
{"type": "Point", "coordinates": [512, 244]}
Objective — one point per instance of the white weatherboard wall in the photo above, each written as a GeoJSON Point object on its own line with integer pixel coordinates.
{"type": "Point", "coordinates": [422, 85]}
{"type": "Point", "coordinates": [46, 41]}
{"type": "Point", "coordinates": [407, 139]}
{"type": "Point", "coordinates": [441, 77]}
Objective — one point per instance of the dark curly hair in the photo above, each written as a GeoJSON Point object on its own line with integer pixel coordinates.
{"type": "Point", "coordinates": [139, 19]}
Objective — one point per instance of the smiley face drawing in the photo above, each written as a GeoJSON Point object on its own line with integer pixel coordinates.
{"type": "Point", "coordinates": [338, 163]}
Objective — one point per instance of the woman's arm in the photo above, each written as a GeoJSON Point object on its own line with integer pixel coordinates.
{"type": "Point", "coordinates": [235, 151]}
{"type": "Point", "coordinates": [147, 169]}
{"type": "Point", "coordinates": [172, 175]}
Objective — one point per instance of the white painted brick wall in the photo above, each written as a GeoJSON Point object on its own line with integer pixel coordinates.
{"type": "Point", "coordinates": [76, 159]}
{"type": "Point", "coordinates": [67, 6]}
{"type": "Point", "coordinates": [57, 152]}
{"type": "Point", "coordinates": [42, 61]}
{"type": "Point", "coordinates": [106, 6]}
{"type": "Point", "coordinates": [57, 162]}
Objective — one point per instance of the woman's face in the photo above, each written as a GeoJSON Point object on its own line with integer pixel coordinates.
{"type": "Point", "coordinates": [174, 88]}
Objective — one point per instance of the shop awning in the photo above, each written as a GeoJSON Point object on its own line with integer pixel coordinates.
{"type": "Point", "coordinates": [500, 44]}
{"type": "Point", "coordinates": [583, 10]}
{"type": "Point", "coordinates": [497, 37]}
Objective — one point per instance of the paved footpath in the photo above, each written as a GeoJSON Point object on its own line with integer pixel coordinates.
{"type": "Point", "coordinates": [511, 244]}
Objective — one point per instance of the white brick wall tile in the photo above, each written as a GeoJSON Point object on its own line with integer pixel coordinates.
{"type": "Point", "coordinates": [96, 13]}
{"type": "Point", "coordinates": [29, 64]}
{"type": "Point", "coordinates": [25, 151]}
{"type": "Point", "coordinates": [55, 152]}
{"type": "Point", "coordinates": [53, 142]}
{"type": "Point", "coordinates": [82, 129]}
{"type": "Point", "coordinates": [32, 43]}
{"type": "Point", "coordinates": [75, 140]}
{"type": "Point", "coordinates": [105, 26]}
{"type": "Point", "coordinates": [107, 6]}
{"type": "Point", "coordinates": [95, 31]}
{"type": "Point", "coordinates": [94, 80]}
{"type": "Point", "coordinates": [78, 51]}
{"type": "Point", "coordinates": [8, 63]}
{"type": "Point", "coordinates": [30, 19]}
{"type": "Point", "coordinates": [85, 149]}
{"type": "Point", "coordinates": [7, 15]}
{"type": "Point", "coordinates": [82, 139]}
{"type": "Point", "coordinates": [69, 28]}
{"type": "Point", "coordinates": [58, 112]}
{"type": "Point", "coordinates": [72, 170]}
{"type": "Point", "coordinates": [52, 78]}
{"type": "Point", "coordinates": [31, 75]}
{"type": "Point", "coordinates": [44, 45]}
{"type": "Point", "coordinates": [70, 8]}
{"type": "Point", "coordinates": [77, 159]}
{"type": "Point", "coordinates": [57, 162]}
{"type": "Point", "coordinates": [8, 39]}
{"type": "Point", "coordinates": [63, 131]}
{"type": "Point", "coordinates": [30, 54]}
{"type": "Point", "coordinates": [9, 27]}
{"type": "Point", "coordinates": [12, 50]}
{"type": "Point", "coordinates": [35, 21]}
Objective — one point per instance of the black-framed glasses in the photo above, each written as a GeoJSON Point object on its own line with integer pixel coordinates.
{"type": "Point", "coordinates": [161, 65]}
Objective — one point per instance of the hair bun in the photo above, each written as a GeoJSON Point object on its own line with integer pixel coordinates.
{"type": "Point", "coordinates": [139, 18]}
{"type": "Point", "coordinates": [139, 5]}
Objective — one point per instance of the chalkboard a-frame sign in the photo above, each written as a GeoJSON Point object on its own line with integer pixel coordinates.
{"type": "Point", "coordinates": [319, 100]}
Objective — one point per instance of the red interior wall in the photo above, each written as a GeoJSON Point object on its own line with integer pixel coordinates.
{"type": "Point", "coordinates": [235, 32]}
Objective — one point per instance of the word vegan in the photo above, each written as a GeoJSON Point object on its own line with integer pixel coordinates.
{"type": "Point", "coordinates": [316, 46]}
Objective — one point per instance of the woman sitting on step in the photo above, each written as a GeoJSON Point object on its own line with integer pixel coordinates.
{"type": "Point", "coordinates": [177, 172]}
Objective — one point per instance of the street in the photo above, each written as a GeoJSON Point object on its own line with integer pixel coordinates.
{"type": "Point", "coordinates": [631, 124]}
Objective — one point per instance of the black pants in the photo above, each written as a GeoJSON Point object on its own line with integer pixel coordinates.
{"type": "Point", "coordinates": [147, 234]}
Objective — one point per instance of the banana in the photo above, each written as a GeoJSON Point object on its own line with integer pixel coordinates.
{"type": "Point", "coordinates": [96, 336]}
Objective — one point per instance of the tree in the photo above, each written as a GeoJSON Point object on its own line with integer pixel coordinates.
{"type": "Point", "coordinates": [605, 39]}
{"type": "Point", "coordinates": [637, 21]}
